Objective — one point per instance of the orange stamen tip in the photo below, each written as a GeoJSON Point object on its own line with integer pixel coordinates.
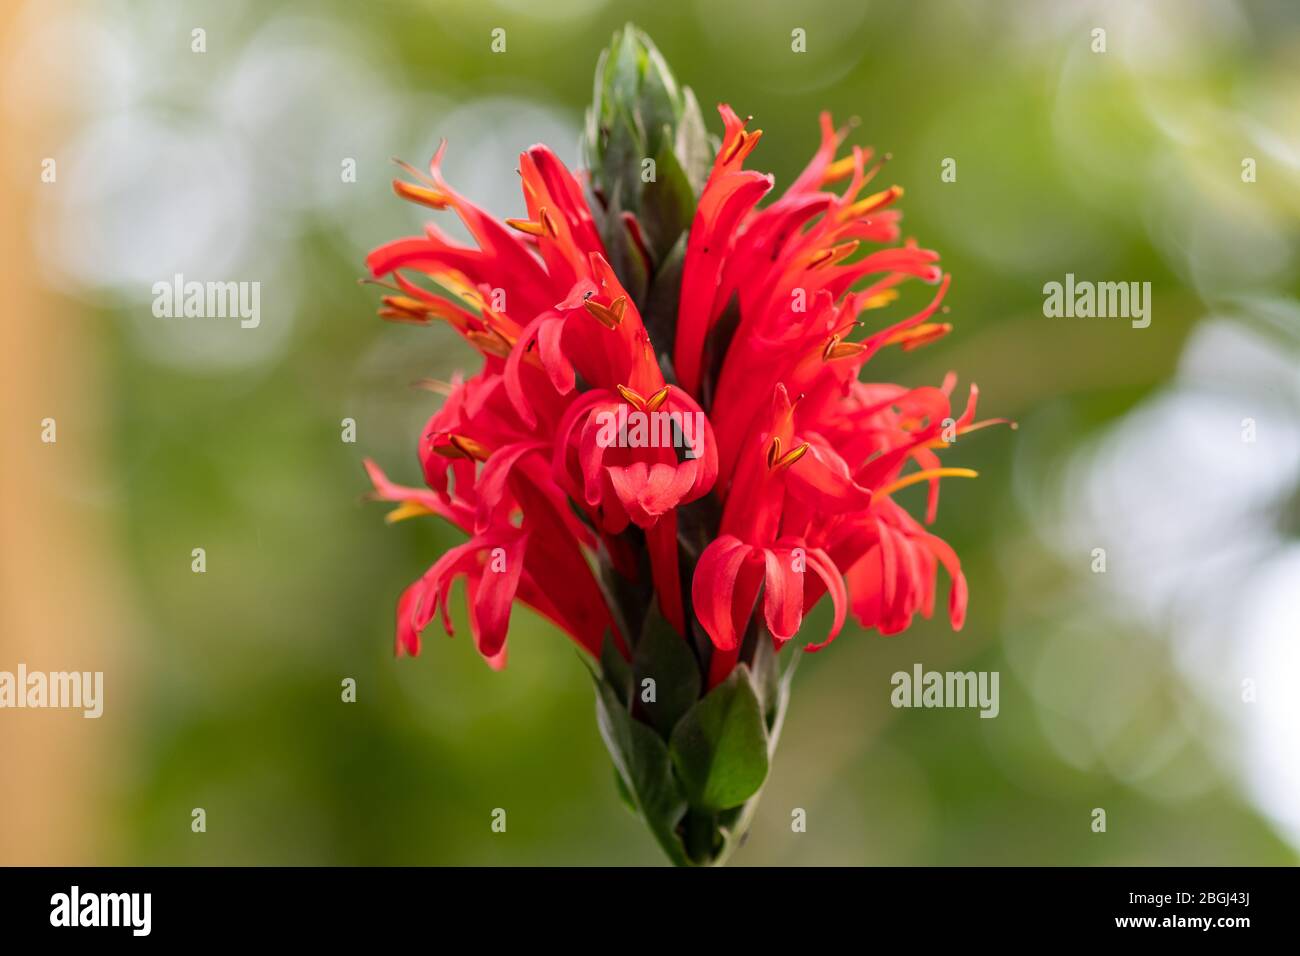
{"type": "Point", "coordinates": [631, 396]}
{"type": "Point", "coordinates": [424, 195]}
{"type": "Point", "coordinates": [467, 448]}
{"type": "Point", "coordinates": [881, 299]}
{"type": "Point", "coordinates": [840, 169]}
{"type": "Point", "coordinates": [744, 142]}
{"type": "Point", "coordinates": [610, 316]}
{"type": "Point", "coordinates": [834, 254]}
{"type": "Point", "coordinates": [789, 459]}
{"type": "Point", "coordinates": [919, 335]}
{"type": "Point", "coordinates": [872, 203]}
{"type": "Point", "coordinates": [407, 509]}
{"type": "Point", "coordinates": [657, 399]}
{"type": "Point", "coordinates": [776, 460]}
{"type": "Point", "coordinates": [490, 341]}
{"type": "Point", "coordinates": [835, 349]}
{"type": "Point", "coordinates": [773, 452]}
{"type": "Point", "coordinates": [526, 226]}
{"type": "Point", "coordinates": [548, 223]}
{"type": "Point", "coordinates": [406, 306]}
{"type": "Point", "coordinates": [925, 475]}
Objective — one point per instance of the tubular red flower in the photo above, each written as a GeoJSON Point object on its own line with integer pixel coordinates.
{"type": "Point", "coordinates": [581, 466]}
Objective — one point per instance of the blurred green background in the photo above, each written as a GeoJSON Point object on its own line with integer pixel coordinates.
{"type": "Point", "coordinates": [1121, 690]}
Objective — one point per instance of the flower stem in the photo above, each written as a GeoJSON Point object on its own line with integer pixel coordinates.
{"type": "Point", "coordinates": [698, 834]}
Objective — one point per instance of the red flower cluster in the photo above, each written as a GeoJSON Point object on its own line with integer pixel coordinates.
{"type": "Point", "coordinates": [799, 457]}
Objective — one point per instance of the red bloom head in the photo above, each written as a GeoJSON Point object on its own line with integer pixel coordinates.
{"type": "Point", "coordinates": [668, 449]}
{"type": "Point", "coordinates": [690, 429]}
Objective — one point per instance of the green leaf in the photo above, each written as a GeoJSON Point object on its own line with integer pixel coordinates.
{"type": "Point", "coordinates": [693, 145]}
{"type": "Point", "coordinates": [667, 204]}
{"type": "Point", "coordinates": [663, 656]}
{"type": "Point", "coordinates": [658, 106]}
{"type": "Point", "coordinates": [620, 170]}
{"type": "Point", "coordinates": [641, 758]}
{"type": "Point", "coordinates": [720, 748]}
{"type": "Point", "coordinates": [638, 112]}
{"type": "Point", "coordinates": [624, 793]}
{"type": "Point", "coordinates": [615, 669]}
{"type": "Point", "coordinates": [625, 69]}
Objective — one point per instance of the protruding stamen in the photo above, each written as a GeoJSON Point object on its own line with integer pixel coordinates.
{"type": "Point", "coordinates": [835, 349]}
{"type": "Point", "coordinates": [840, 169]}
{"type": "Point", "coordinates": [631, 396]}
{"type": "Point", "coordinates": [657, 399]}
{"type": "Point", "coordinates": [919, 335]}
{"type": "Point", "coordinates": [464, 447]}
{"type": "Point", "coordinates": [773, 452]}
{"type": "Point", "coordinates": [408, 306]}
{"type": "Point", "coordinates": [925, 475]}
{"type": "Point", "coordinates": [610, 316]}
{"type": "Point", "coordinates": [548, 223]}
{"type": "Point", "coordinates": [881, 299]}
{"type": "Point", "coordinates": [543, 226]}
{"type": "Point", "coordinates": [407, 509]}
{"type": "Point", "coordinates": [745, 142]}
{"type": "Point", "coordinates": [526, 226]}
{"type": "Point", "coordinates": [833, 255]}
{"type": "Point", "coordinates": [492, 341]}
{"type": "Point", "coordinates": [871, 203]}
{"type": "Point", "coordinates": [424, 195]}
{"type": "Point", "coordinates": [790, 458]}
{"type": "Point", "coordinates": [776, 460]}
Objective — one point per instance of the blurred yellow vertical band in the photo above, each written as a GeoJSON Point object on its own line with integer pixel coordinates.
{"type": "Point", "coordinates": [58, 594]}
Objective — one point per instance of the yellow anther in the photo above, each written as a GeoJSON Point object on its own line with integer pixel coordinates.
{"type": "Point", "coordinates": [919, 335]}
{"type": "Point", "coordinates": [526, 226]}
{"type": "Point", "coordinates": [838, 170]}
{"type": "Point", "coordinates": [610, 316]}
{"type": "Point", "coordinates": [881, 299]}
{"type": "Point", "coordinates": [776, 460]}
{"type": "Point", "coordinates": [467, 447]}
{"type": "Point", "coordinates": [631, 396]}
{"type": "Point", "coordinates": [834, 254]}
{"type": "Point", "coordinates": [925, 475]}
{"type": "Point", "coordinates": [407, 509]}
{"type": "Point", "coordinates": [835, 349]}
{"type": "Point", "coordinates": [424, 195]}
{"type": "Point", "coordinates": [491, 341]}
{"type": "Point", "coordinates": [871, 203]}
{"type": "Point", "coordinates": [657, 399]}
